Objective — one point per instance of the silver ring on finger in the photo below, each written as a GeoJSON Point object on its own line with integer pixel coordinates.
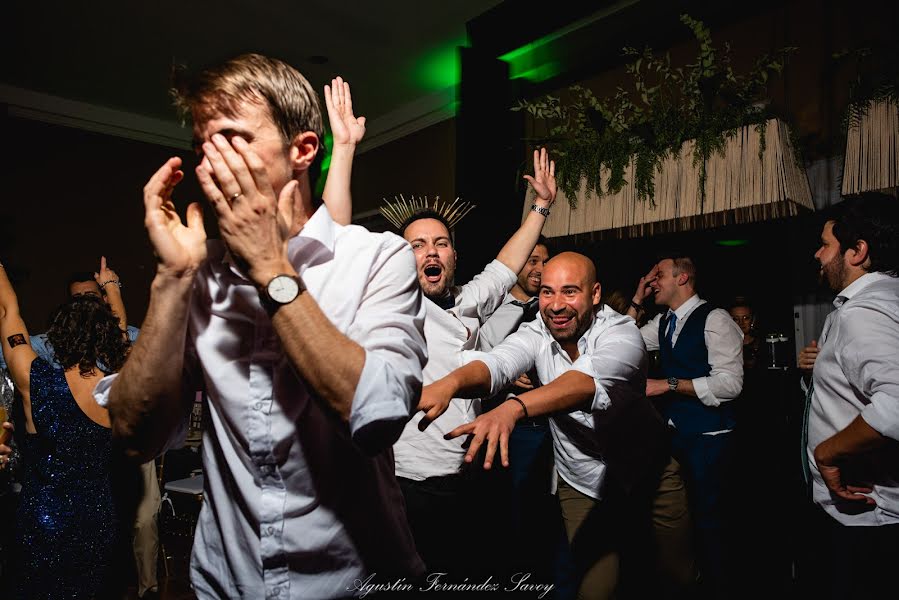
{"type": "Point", "coordinates": [235, 196]}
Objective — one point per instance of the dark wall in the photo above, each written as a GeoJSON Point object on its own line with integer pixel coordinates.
{"type": "Point", "coordinates": [71, 196]}
{"type": "Point", "coordinates": [423, 163]}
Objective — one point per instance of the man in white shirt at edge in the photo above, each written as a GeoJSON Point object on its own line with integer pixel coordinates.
{"type": "Point", "coordinates": [609, 442]}
{"type": "Point", "coordinates": [853, 415]}
{"type": "Point", "coordinates": [306, 335]}
{"type": "Point", "coordinates": [701, 352]}
{"type": "Point", "coordinates": [427, 465]}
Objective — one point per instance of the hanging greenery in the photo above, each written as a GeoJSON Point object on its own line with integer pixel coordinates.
{"type": "Point", "coordinates": [705, 101]}
{"type": "Point", "coordinates": [876, 79]}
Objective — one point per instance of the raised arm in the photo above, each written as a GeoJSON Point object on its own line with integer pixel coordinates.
{"type": "Point", "coordinates": [346, 131]}
{"type": "Point", "coordinates": [644, 290]}
{"type": "Point", "coordinates": [111, 285]}
{"type": "Point", "coordinates": [14, 337]}
{"type": "Point", "coordinates": [145, 399]}
{"type": "Point", "coordinates": [519, 247]}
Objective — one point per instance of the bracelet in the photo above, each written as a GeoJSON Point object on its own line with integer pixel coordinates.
{"type": "Point", "coordinates": [639, 307]}
{"type": "Point", "coordinates": [115, 281]}
{"type": "Point", "coordinates": [540, 209]}
{"type": "Point", "coordinates": [523, 407]}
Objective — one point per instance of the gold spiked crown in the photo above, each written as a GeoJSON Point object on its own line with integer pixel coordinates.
{"type": "Point", "coordinates": [400, 211]}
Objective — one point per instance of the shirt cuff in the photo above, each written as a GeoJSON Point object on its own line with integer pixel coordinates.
{"type": "Point", "coordinates": [705, 395]}
{"type": "Point", "coordinates": [882, 415]}
{"type": "Point", "coordinates": [101, 392]}
{"type": "Point", "coordinates": [601, 399]}
{"type": "Point", "coordinates": [381, 405]}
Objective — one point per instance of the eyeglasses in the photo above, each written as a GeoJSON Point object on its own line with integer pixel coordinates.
{"type": "Point", "coordinates": [743, 319]}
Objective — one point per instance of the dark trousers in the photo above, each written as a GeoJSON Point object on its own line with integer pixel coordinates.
{"type": "Point", "coordinates": [708, 467]}
{"type": "Point", "coordinates": [446, 525]}
{"type": "Point", "coordinates": [850, 562]}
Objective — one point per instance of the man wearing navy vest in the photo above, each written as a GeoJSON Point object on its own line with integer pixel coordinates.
{"type": "Point", "coordinates": [701, 351]}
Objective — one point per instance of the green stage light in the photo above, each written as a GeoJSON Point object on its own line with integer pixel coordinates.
{"type": "Point", "coordinates": [326, 164]}
{"type": "Point", "coordinates": [441, 67]}
{"type": "Point", "coordinates": [732, 243]}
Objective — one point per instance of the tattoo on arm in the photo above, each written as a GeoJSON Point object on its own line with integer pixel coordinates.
{"type": "Point", "coordinates": [16, 339]}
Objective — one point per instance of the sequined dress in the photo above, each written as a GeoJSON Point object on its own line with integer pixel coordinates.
{"type": "Point", "coordinates": [66, 524]}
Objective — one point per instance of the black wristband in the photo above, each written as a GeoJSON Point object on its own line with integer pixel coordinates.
{"type": "Point", "coordinates": [639, 307]}
{"type": "Point", "coordinates": [523, 407]}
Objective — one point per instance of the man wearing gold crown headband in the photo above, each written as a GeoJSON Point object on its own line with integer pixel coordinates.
{"type": "Point", "coordinates": [428, 466]}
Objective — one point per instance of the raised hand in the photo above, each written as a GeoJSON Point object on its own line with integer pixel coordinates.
{"type": "Point", "coordinates": [345, 127]}
{"type": "Point", "coordinates": [254, 222]}
{"type": "Point", "coordinates": [105, 275]}
{"type": "Point", "coordinates": [180, 248]}
{"type": "Point", "coordinates": [644, 287]}
{"type": "Point", "coordinates": [544, 179]}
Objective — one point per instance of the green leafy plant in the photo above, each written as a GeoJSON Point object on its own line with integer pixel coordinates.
{"type": "Point", "coordinates": [705, 101]}
{"type": "Point", "coordinates": [876, 79]}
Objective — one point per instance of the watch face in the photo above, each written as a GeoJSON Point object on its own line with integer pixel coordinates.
{"type": "Point", "coordinates": [283, 289]}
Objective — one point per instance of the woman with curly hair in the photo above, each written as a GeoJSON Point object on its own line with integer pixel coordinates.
{"type": "Point", "coordinates": [68, 524]}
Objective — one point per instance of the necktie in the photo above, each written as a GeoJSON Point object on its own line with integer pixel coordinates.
{"type": "Point", "coordinates": [669, 335]}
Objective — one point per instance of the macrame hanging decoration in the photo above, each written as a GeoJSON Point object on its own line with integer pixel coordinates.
{"type": "Point", "coordinates": [871, 162]}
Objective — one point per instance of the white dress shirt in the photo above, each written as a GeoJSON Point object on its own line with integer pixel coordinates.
{"type": "Point", "coordinates": [724, 342]}
{"type": "Point", "coordinates": [505, 320]}
{"type": "Point", "coordinates": [291, 492]}
{"type": "Point", "coordinates": [423, 454]}
{"type": "Point", "coordinates": [857, 373]}
{"type": "Point", "coordinates": [611, 352]}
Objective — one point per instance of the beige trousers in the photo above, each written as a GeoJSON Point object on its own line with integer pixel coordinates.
{"type": "Point", "coordinates": [594, 538]}
{"type": "Point", "coordinates": [146, 530]}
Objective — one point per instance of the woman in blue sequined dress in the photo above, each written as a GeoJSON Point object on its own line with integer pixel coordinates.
{"type": "Point", "coordinates": [68, 524]}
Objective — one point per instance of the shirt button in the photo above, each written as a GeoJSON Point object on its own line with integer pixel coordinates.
{"type": "Point", "coordinates": [258, 406]}
{"type": "Point", "coordinates": [276, 591]}
{"type": "Point", "coordinates": [270, 531]}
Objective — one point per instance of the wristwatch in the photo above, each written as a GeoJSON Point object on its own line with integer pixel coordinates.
{"type": "Point", "coordinates": [281, 290]}
{"type": "Point", "coordinates": [672, 383]}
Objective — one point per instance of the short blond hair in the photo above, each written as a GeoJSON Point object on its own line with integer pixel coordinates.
{"type": "Point", "coordinates": [291, 101]}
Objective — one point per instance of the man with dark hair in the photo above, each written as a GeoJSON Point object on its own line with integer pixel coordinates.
{"type": "Point", "coordinates": [427, 464]}
{"type": "Point", "coordinates": [852, 426]}
{"type": "Point", "coordinates": [701, 351]}
{"type": "Point", "coordinates": [306, 337]}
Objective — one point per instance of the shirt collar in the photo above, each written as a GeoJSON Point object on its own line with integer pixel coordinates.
{"type": "Point", "coordinates": [858, 285]}
{"type": "Point", "coordinates": [317, 235]}
{"type": "Point", "coordinates": [684, 309]}
{"type": "Point", "coordinates": [582, 341]}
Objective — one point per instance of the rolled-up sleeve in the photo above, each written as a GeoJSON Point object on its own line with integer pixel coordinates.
{"type": "Point", "coordinates": [870, 360]}
{"type": "Point", "coordinates": [389, 325]}
{"type": "Point", "coordinates": [516, 355]}
{"type": "Point", "coordinates": [488, 289]}
{"type": "Point", "coordinates": [617, 365]}
{"type": "Point", "coordinates": [724, 342]}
